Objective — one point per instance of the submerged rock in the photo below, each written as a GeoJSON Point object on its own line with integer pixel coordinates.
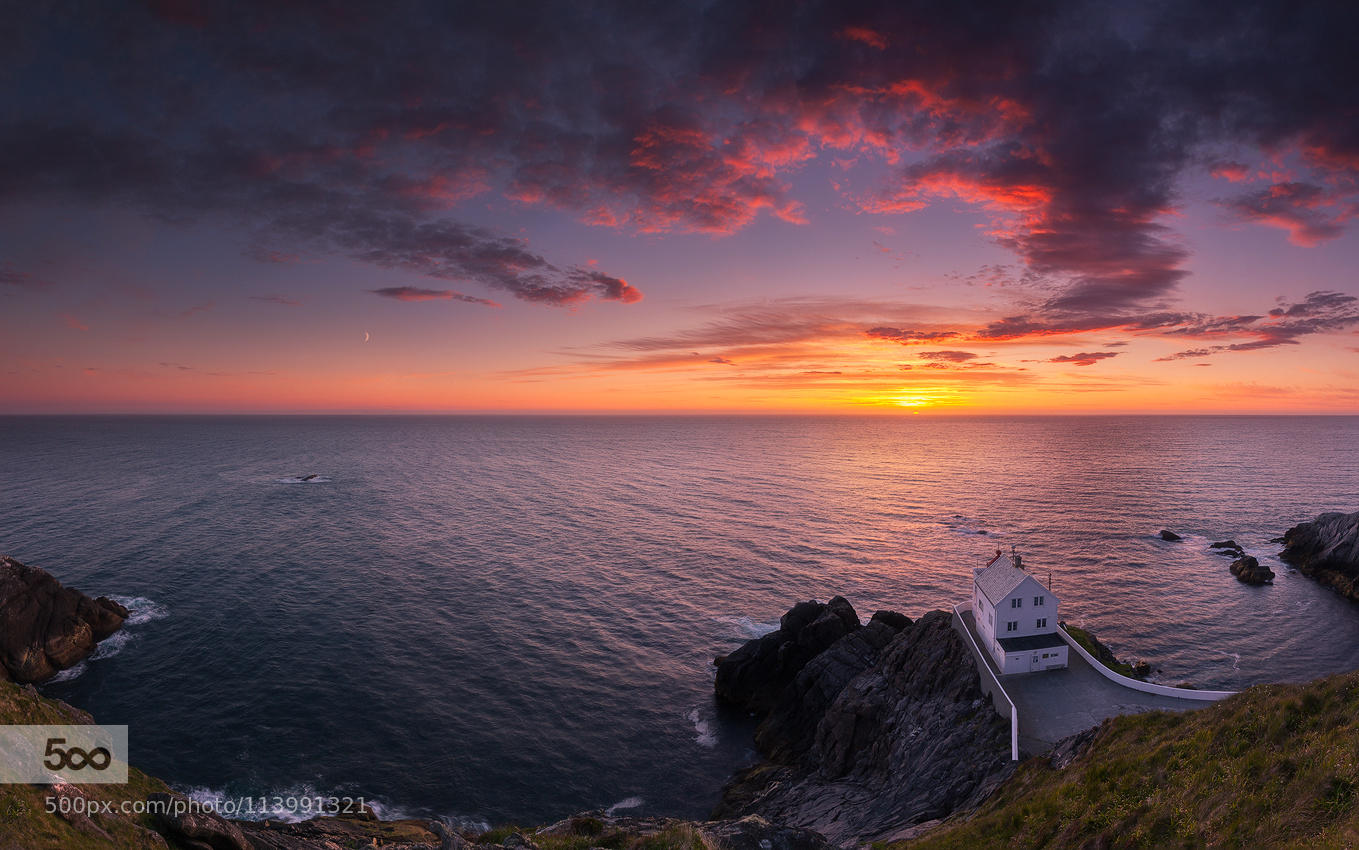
{"type": "Point", "coordinates": [1170, 535]}
{"type": "Point", "coordinates": [44, 627]}
{"type": "Point", "coordinates": [883, 731]}
{"type": "Point", "coordinates": [1247, 569]}
{"type": "Point", "coordinates": [1327, 549]}
{"type": "Point", "coordinates": [1230, 548]}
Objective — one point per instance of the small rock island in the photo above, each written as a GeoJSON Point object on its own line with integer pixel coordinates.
{"type": "Point", "coordinates": [1327, 549]}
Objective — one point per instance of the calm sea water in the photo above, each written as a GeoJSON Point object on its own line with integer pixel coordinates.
{"type": "Point", "coordinates": [513, 618]}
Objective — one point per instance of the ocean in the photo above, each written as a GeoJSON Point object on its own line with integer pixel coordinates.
{"type": "Point", "coordinates": [511, 619]}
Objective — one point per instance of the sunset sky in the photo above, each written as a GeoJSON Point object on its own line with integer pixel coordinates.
{"type": "Point", "coordinates": [721, 206]}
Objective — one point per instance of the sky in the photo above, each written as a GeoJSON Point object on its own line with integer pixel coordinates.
{"type": "Point", "coordinates": [831, 207]}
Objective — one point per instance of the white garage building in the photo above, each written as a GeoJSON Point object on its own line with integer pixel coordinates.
{"type": "Point", "coordinates": [1016, 617]}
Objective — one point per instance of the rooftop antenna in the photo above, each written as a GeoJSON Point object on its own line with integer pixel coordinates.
{"type": "Point", "coordinates": [1014, 556]}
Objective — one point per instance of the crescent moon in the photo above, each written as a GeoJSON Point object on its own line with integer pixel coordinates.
{"type": "Point", "coordinates": [365, 336]}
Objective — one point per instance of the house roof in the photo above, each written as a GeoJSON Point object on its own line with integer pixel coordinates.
{"type": "Point", "coordinates": [1000, 578]}
{"type": "Point", "coordinates": [1019, 644]}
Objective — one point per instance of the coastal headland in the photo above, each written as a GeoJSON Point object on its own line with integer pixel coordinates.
{"type": "Point", "coordinates": [870, 732]}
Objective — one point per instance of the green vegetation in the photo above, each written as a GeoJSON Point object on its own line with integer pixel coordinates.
{"type": "Point", "coordinates": [24, 820]}
{"type": "Point", "coordinates": [1274, 766]}
{"type": "Point", "coordinates": [1102, 653]}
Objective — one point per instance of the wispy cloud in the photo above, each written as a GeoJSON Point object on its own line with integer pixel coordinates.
{"type": "Point", "coordinates": [1084, 359]}
{"type": "Point", "coordinates": [276, 299]}
{"type": "Point", "coordinates": [412, 293]}
{"type": "Point", "coordinates": [12, 279]}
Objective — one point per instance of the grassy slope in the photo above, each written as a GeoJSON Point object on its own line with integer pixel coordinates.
{"type": "Point", "coordinates": [1274, 766]}
{"type": "Point", "coordinates": [24, 821]}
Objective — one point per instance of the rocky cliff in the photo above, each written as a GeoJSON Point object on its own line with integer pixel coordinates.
{"type": "Point", "coordinates": [1327, 549]}
{"type": "Point", "coordinates": [44, 627]}
{"type": "Point", "coordinates": [867, 731]}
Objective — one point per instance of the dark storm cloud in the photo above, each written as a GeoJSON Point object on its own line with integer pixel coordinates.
{"type": "Point", "coordinates": [1310, 213]}
{"type": "Point", "coordinates": [359, 129]}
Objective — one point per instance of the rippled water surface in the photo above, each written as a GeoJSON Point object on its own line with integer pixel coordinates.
{"type": "Point", "coordinates": [514, 618]}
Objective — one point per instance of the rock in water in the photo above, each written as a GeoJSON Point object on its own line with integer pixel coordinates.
{"type": "Point", "coordinates": [1247, 569]}
{"type": "Point", "coordinates": [1170, 535]}
{"type": "Point", "coordinates": [45, 627]}
{"type": "Point", "coordinates": [884, 730]}
{"type": "Point", "coordinates": [1327, 549]}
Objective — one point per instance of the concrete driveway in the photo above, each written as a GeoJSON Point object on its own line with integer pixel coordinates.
{"type": "Point", "coordinates": [1056, 703]}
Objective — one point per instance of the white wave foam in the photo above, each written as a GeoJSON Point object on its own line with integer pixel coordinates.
{"type": "Point", "coordinates": [464, 823]}
{"type": "Point", "coordinates": [703, 730]}
{"type": "Point", "coordinates": [749, 628]}
{"type": "Point", "coordinates": [110, 646]}
{"type": "Point", "coordinates": [70, 673]}
{"type": "Point", "coordinates": [141, 610]}
{"type": "Point", "coordinates": [248, 807]}
{"type": "Point", "coordinates": [629, 803]}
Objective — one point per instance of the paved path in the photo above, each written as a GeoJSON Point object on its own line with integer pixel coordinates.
{"type": "Point", "coordinates": [1056, 703]}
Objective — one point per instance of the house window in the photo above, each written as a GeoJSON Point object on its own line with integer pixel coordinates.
{"type": "Point", "coordinates": [1012, 626]}
{"type": "Point", "coordinates": [1039, 600]}
{"type": "Point", "coordinates": [1042, 622]}
{"type": "Point", "coordinates": [991, 620]}
{"type": "Point", "coordinates": [1016, 602]}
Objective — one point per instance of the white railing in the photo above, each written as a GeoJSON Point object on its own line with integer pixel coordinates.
{"type": "Point", "coordinates": [988, 677]}
{"type": "Point", "coordinates": [1136, 684]}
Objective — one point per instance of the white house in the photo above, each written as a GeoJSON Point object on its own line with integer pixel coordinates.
{"type": "Point", "coordinates": [1016, 617]}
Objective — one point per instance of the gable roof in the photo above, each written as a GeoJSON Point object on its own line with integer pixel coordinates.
{"type": "Point", "coordinates": [1000, 578]}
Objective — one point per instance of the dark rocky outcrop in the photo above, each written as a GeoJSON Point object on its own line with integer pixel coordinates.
{"type": "Point", "coordinates": [1230, 548]}
{"type": "Point", "coordinates": [885, 730]}
{"type": "Point", "coordinates": [1170, 535]}
{"type": "Point", "coordinates": [335, 832]}
{"type": "Point", "coordinates": [1250, 571]}
{"type": "Point", "coordinates": [754, 676]}
{"type": "Point", "coordinates": [44, 627]}
{"type": "Point", "coordinates": [1072, 747]}
{"type": "Point", "coordinates": [197, 828]}
{"type": "Point", "coordinates": [1327, 549]}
